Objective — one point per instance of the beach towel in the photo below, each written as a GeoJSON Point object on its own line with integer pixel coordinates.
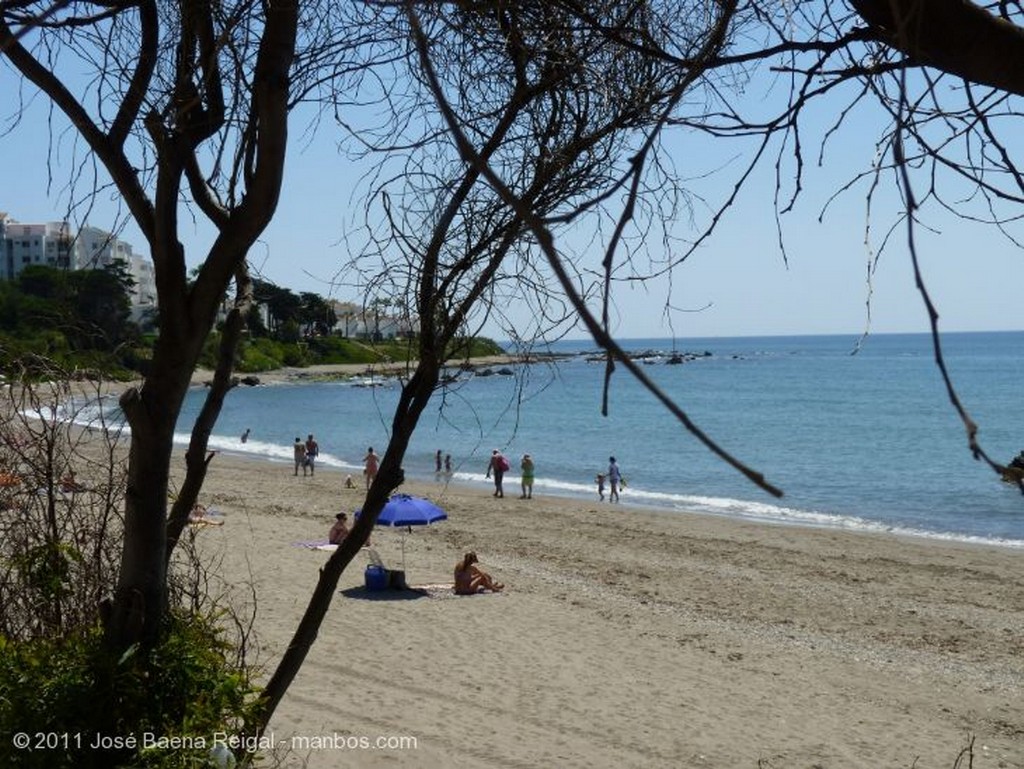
{"type": "Point", "coordinates": [207, 517]}
{"type": "Point", "coordinates": [316, 544]}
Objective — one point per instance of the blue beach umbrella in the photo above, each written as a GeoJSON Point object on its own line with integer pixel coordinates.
{"type": "Point", "coordinates": [403, 510]}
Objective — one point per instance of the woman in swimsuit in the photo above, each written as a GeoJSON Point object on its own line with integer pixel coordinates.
{"type": "Point", "coordinates": [471, 579]}
{"type": "Point", "coordinates": [372, 462]}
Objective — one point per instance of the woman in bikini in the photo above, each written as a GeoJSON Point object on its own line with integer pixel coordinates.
{"type": "Point", "coordinates": [471, 579]}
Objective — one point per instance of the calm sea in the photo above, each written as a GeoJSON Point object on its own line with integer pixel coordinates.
{"type": "Point", "coordinates": [866, 441]}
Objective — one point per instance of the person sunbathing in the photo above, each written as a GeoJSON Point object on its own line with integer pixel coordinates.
{"type": "Point", "coordinates": [200, 516]}
{"type": "Point", "coordinates": [69, 485]}
{"type": "Point", "coordinates": [471, 579]}
{"type": "Point", "coordinates": [339, 530]}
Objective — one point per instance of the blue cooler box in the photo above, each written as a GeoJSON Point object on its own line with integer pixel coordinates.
{"type": "Point", "coordinates": [376, 577]}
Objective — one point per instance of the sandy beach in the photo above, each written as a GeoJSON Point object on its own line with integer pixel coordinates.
{"type": "Point", "coordinates": [626, 638]}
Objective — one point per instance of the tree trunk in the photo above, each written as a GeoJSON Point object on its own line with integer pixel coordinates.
{"type": "Point", "coordinates": [196, 458]}
{"type": "Point", "coordinates": [152, 413]}
{"type": "Point", "coordinates": [414, 398]}
{"type": "Point", "coordinates": [954, 36]}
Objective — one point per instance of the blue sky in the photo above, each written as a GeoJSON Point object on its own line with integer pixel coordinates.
{"type": "Point", "coordinates": [737, 284]}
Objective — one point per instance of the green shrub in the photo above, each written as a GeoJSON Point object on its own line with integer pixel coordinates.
{"type": "Point", "coordinates": [251, 361]}
{"type": "Point", "coordinates": [211, 348]}
{"type": "Point", "coordinates": [473, 347]}
{"type": "Point", "coordinates": [294, 355]}
{"type": "Point", "coordinates": [331, 349]}
{"type": "Point", "coordinates": [259, 355]}
{"type": "Point", "coordinates": [158, 710]}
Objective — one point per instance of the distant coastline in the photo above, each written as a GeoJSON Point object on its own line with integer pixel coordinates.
{"type": "Point", "coordinates": [332, 371]}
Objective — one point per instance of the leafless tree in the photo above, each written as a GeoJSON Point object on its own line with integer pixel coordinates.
{"type": "Point", "coordinates": [62, 481]}
{"type": "Point", "coordinates": [186, 111]}
{"type": "Point", "coordinates": [557, 107]}
{"type": "Point", "coordinates": [941, 82]}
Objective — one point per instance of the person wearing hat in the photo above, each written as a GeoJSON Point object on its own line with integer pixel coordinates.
{"type": "Point", "coordinates": [498, 465]}
{"type": "Point", "coordinates": [527, 476]}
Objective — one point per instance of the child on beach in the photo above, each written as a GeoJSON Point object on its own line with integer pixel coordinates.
{"type": "Point", "coordinates": [600, 486]}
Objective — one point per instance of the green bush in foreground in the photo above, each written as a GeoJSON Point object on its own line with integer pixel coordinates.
{"type": "Point", "coordinates": [68, 703]}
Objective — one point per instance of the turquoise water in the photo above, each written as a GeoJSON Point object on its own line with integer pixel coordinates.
{"type": "Point", "coordinates": [866, 441]}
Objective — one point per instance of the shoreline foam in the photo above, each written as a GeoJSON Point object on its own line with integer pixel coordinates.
{"type": "Point", "coordinates": [769, 513]}
{"type": "Point", "coordinates": [763, 513]}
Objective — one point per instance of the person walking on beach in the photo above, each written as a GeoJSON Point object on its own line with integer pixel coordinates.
{"type": "Point", "coordinates": [312, 452]}
{"type": "Point", "coordinates": [448, 463]}
{"type": "Point", "coordinates": [600, 486]}
{"type": "Point", "coordinates": [498, 465]}
{"type": "Point", "coordinates": [372, 463]}
{"type": "Point", "coordinates": [437, 462]}
{"type": "Point", "coordinates": [526, 466]}
{"type": "Point", "coordinates": [299, 453]}
{"type": "Point", "coordinates": [614, 479]}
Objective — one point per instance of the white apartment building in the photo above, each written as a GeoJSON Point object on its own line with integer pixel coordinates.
{"type": "Point", "coordinates": [48, 244]}
{"type": "Point", "coordinates": [5, 251]}
{"type": "Point", "coordinates": [54, 244]}
{"type": "Point", "coordinates": [96, 249]}
{"type": "Point", "coordinates": [354, 320]}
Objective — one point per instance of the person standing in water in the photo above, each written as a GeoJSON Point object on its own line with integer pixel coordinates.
{"type": "Point", "coordinates": [526, 481]}
{"type": "Point", "coordinates": [299, 453]}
